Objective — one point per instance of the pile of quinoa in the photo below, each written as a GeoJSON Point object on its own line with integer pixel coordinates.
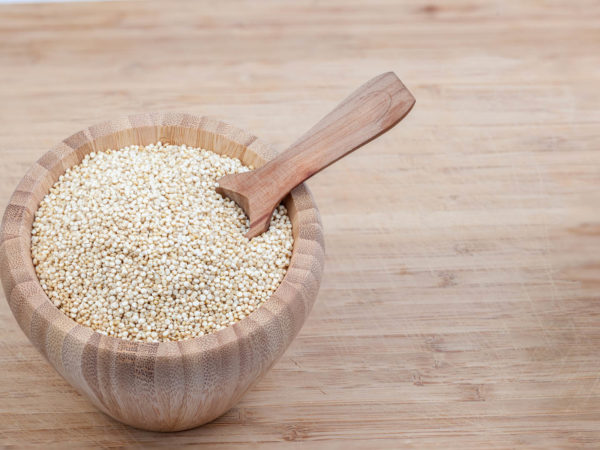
{"type": "Point", "coordinates": [136, 243]}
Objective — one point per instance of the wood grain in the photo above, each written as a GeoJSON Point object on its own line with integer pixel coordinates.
{"type": "Point", "coordinates": [369, 111]}
{"type": "Point", "coordinates": [460, 312]}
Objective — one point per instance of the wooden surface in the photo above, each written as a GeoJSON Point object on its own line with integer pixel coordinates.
{"type": "Point", "coordinates": [461, 312]}
{"type": "Point", "coordinates": [159, 386]}
{"type": "Point", "coordinates": [366, 113]}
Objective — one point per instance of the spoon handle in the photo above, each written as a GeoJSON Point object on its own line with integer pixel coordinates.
{"type": "Point", "coordinates": [372, 109]}
{"type": "Point", "coordinates": [369, 111]}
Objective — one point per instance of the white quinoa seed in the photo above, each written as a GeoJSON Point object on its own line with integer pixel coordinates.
{"type": "Point", "coordinates": [136, 243]}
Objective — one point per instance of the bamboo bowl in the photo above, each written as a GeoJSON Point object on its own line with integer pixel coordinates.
{"type": "Point", "coordinates": [165, 386]}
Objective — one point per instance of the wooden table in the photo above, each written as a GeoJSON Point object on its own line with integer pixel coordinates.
{"type": "Point", "coordinates": [460, 303]}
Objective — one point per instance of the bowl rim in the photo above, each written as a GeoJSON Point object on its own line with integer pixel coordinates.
{"type": "Point", "coordinates": [20, 280]}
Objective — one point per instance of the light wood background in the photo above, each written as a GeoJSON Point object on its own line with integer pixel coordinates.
{"type": "Point", "coordinates": [460, 304]}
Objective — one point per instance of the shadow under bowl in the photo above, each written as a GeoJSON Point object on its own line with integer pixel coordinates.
{"type": "Point", "coordinates": [164, 386]}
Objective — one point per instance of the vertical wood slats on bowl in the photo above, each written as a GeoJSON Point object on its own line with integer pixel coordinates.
{"type": "Point", "coordinates": [163, 386]}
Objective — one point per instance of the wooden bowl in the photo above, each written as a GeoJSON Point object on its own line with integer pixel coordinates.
{"type": "Point", "coordinates": [164, 386]}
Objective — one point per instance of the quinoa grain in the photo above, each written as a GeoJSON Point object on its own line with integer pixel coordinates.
{"type": "Point", "coordinates": [136, 243]}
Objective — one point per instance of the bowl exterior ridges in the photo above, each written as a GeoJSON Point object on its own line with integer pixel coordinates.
{"type": "Point", "coordinates": [165, 386]}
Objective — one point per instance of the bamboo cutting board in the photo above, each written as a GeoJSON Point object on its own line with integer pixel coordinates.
{"type": "Point", "coordinates": [460, 301]}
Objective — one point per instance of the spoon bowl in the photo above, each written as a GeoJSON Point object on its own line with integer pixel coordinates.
{"type": "Point", "coordinates": [163, 386]}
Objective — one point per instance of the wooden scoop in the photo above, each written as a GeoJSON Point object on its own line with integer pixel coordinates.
{"type": "Point", "coordinates": [372, 109]}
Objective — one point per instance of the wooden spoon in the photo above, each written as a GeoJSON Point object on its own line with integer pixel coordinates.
{"type": "Point", "coordinates": [372, 109]}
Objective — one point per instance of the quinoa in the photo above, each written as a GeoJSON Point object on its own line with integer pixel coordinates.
{"type": "Point", "coordinates": [137, 244]}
